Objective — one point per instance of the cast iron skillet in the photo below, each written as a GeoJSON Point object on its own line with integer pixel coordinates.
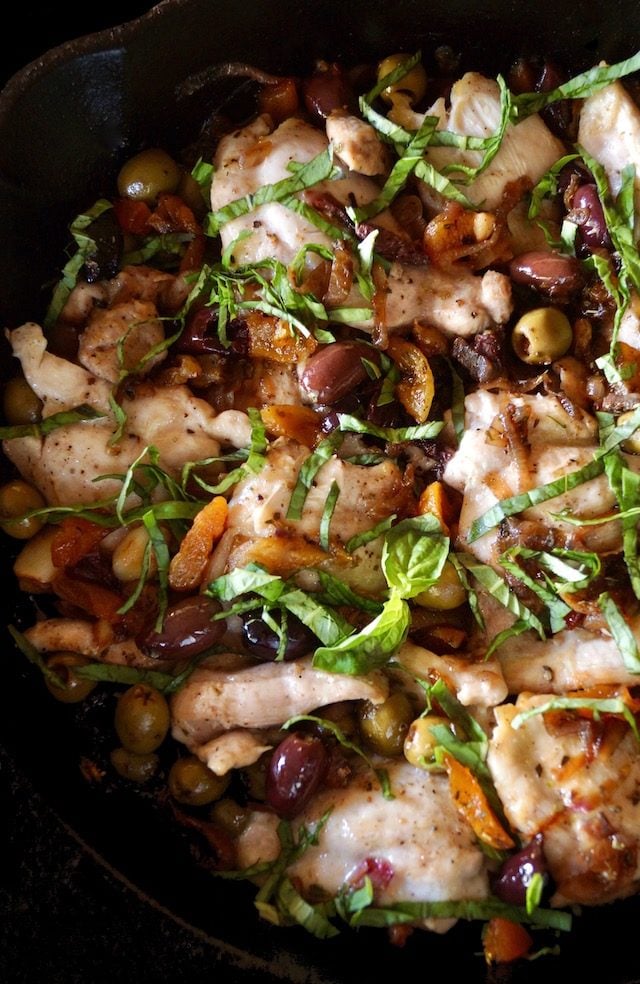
{"type": "Point", "coordinates": [67, 122]}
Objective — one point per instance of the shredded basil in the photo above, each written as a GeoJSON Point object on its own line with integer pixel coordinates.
{"type": "Point", "coordinates": [621, 632]}
{"type": "Point", "coordinates": [372, 646]}
{"type": "Point", "coordinates": [579, 87]}
{"type": "Point", "coordinates": [112, 673]}
{"type": "Point", "coordinates": [34, 656]}
{"type": "Point", "coordinates": [320, 168]}
{"type": "Point", "coordinates": [361, 539]}
{"type": "Point", "coordinates": [43, 427]}
{"type": "Point", "coordinates": [86, 249]}
{"type": "Point", "coordinates": [394, 435]}
{"type": "Point", "coordinates": [597, 705]}
{"type": "Point", "coordinates": [308, 471]}
{"type": "Point", "coordinates": [499, 590]}
{"type": "Point", "coordinates": [327, 514]}
{"type": "Point", "coordinates": [414, 554]}
{"type": "Point", "coordinates": [409, 912]}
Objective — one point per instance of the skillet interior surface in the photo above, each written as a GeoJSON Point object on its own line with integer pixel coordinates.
{"type": "Point", "coordinates": [91, 104]}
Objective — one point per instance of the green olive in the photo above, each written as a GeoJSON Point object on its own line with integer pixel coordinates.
{"type": "Point", "coordinates": [541, 336]}
{"type": "Point", "coordinates": [413, 85]}
{"type": "Point", "coordinates": [76, 688]}
{"type": "Point", "coordinates": [632, 443]}
{"type": "Point", "coordinates": [191, 193]}
{"type": "Point", "coordinates": [192, 783]}
{"type": "Point", "coordinates": [134, 767]}
{"type": "Point", "coordinates": [230, 815]}
{"type": "Point", "coordinates": [21, 405]}
{"type": "Point", "coordinates": [147, 175]}
{"type": "Point", "coordinates": [17, 498]}
{"type": "Point", "coordinates": [447, 593]}
{"type": "Point", "coordinates": [142, 718]}
{"type": "Point", "coordinates": [420, 743]}
{"type": "Point", "coordinates": [384, 726]}
{"type": "Point", "coordinates": [254, 778]}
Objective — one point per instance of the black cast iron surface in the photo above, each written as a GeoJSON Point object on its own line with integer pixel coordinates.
{"type": "Point", "coordinates": [95, 884]}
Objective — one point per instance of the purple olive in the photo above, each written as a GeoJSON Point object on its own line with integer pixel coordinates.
{"type": "Point", "coordinates": [296, 770]}
{"type": "Point", "coordinates": [263, 643]}
{"type": "Point", "coordinates": [588, 214]}
{"type": "Point", "coordinates": [334, 371]}
{"type": "Point", "coordinates": [327, 89]}
{"type": "Point", "coordinates": [552, 274]}
{"type": "Point", "coordinates": [517, 871]}
{"type": "Point", "coordinates": [187, 630]}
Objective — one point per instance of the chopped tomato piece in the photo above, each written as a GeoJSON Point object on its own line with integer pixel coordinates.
{"type": "Point", "coordinates": [505, 941]}
{"type": "Point", "coordinates": [132, 216]}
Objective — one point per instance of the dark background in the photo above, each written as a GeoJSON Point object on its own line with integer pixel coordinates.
{"type": "Point", "coordinates": [64, 917]}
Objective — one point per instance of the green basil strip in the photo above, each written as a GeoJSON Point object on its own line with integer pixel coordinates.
{"type": "Point", "coordinates": [499, 590]}
{"type": "Point", "coordinates": [86, 248]}
{"type": "Point", "coordinates": [308, 471]}
{"type": "Point", "coordinates": [166, 244]}
{"type": "Point", "coordinates": [547, 186]}
{"type": "Point", "coordinates": [302, 912]}
{"type": "Point", "coordinates": [329, 626]}
{"type": "Point", "coordinates": [394, 435]}
{"type": "Point", "coordinates": [381, 774]}
{"type": "Point", "coordinates": [472, 594]}
{"type": "Point", "coordinates": [396, 75]}
{"type": "Point", "coordinates": [426, 172]}
{"type": "Point", "coordinates": [533, 892]}
{"type": "Point", "coordinates": [49, 424]}
{"type": "Point", "coordinates": [491, 145]}
{"type": "Point", "coordinates": [142, 580]}
{"type": "Point", "coordinates": [579, 87]}
{"type": "Point", "coordinates": [336, 592]}
{"type": "Point", "coordinates": [112, 673]}
{"type": "Point", "coordinates": [525, 500]}
{"type": "Point", "coordinates": [557, 608]}
{"type": "Point", "coordinates": [319, 168]}
{"type": "Point", "coordinates": [361, 539]}
{"type": "Point", "coordinates": [597, 705]}
{"type": "Point", "coordinates": [258, 443]}
{"type": "Point", "coordinates": [392, 132]}
{"type": "Point", "coordinates": [245, 580]}
{"type": "Point", "coordinates": [400, 173]}
{"type": "Point", "coordinates": [327, 514]}
{"type": "Point", "coordinates": [621, 632]}
{"type": "Point", "coordinates": [316, 218]}
{"type": "Point", "coordinates": [625, 485]}
{"type": "Point", "coordinates": [202, 172]}
{"type": "Point", "coordinates": [34, 656]}
{"type": "Point", "coordinates": [372, 646]}
{"type": "Point", "coordinates": [163, 559]}
{"type": "Point", "coordinates": [407, 912]}
{"type": "Point", "coordinates": [414, 554]}
{"type": "Point", "coordinates": [509, 633]}
{"type": "Point", "coordinates": [120, 418]}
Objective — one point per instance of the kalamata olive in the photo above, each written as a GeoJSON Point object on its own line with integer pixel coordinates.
{"type": "Point", "coordinates": [103, 261]}
{"type": "Point", "coordinates": [587, 213]}
{"type": "Point", "coordinates": [327, 89]}
{"type": "Point", "coordinates": [192, 783]}
{"type": "Point", "coordinates": [552, 274]}
{"type": "Point", "coordinates": [142, 718]}
{"type": "Point", "coordinates": [297, 768]}
{"type": "Point", "coordinates": [263, 643]}
{"type": "Point", "coordinates": [335, 370]}
{"type": "Point", "coordinates": [200, 335]}
{"type": "Point", "coordinates": [516, 872]}
{"type": "Point", "coordinates": [17, 498]}
{"type": "Point", "coordinates": [21, 405]}
{"type": "Point", "coordinates": [188, 629]}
